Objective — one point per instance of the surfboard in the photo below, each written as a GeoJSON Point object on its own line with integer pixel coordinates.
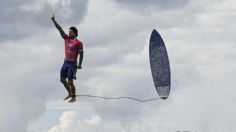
{"type": "Point", "coordinates": [160, 66]}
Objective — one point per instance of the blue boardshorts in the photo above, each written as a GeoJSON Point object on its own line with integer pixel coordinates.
{"type": "Point", "coordinates": [68, 70]}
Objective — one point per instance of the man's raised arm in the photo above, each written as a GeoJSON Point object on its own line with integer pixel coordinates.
{"type": "Point", "coordinates": [58, 27]}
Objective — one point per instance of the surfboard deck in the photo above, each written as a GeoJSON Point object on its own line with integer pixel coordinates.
{"type": "Point", "coordinates": [159, 63]}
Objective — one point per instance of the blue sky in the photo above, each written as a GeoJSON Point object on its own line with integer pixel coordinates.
{"type": "Point", "coordinates": [200, 39]}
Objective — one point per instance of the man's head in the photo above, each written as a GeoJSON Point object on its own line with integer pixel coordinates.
{"type": "Point", "coordinates": [73, 32]}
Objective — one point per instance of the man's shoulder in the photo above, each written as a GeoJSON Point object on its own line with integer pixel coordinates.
{"type": "Point", "coordinates": [78, 41]}
{"type": "Point", "coordinates": [66, 36]}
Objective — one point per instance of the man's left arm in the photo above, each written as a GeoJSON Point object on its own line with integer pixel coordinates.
{"type": "Point", "coordinates": [81, 56]}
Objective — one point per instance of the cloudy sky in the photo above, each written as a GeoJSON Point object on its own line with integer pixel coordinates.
{"type": "Point", "coordinates": [200, 39]}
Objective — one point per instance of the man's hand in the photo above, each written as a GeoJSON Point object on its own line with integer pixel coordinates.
{"type": "Point", "coordinates": [53, 18]}
{"type": "Point", "coordinates": [79, 67]}
{"type": "Point", "coordinates": [58, 26]}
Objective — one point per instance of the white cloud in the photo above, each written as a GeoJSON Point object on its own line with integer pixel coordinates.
{"type": "Point", "coordinates": [70, 121]}
{"type": "Point", "coordinates": [24, 18]}
{"type": "Point", "coordinates": [200, 41]}
{"type": "Point", "coordinates": [29, 57]}
{"type": "Point", "coordinates": [24, 70]}
{"type": "Point", "coordinates": [94, 121]}
{"type": "Point", "coordinates": [201, 50]}
{"type": "Point", "coordinates": [159, 4]}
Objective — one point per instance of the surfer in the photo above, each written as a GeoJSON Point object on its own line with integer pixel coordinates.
{"type": "Point", "coordinates": [73, 47]}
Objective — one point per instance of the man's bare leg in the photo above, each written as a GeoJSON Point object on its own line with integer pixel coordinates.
{"type": "Point", "coordinates": [73, 91]}
{"type": "Point", "coordinates": [67, 86]}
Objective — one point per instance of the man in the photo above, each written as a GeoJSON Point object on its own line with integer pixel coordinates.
{"type": "Point", "coordinates": [73, 47]}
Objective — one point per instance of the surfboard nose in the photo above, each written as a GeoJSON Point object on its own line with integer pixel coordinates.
{"type": "Point", "coordinates": [154, 33]}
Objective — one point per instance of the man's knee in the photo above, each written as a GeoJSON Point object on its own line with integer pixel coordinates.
{"type": "Point", "coordinates": [63, 80]}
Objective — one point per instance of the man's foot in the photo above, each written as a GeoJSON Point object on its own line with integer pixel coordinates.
{"type": "Point", "coordinates": [67, 97]}
{"type": "Point", "coordinates": [72, 100]}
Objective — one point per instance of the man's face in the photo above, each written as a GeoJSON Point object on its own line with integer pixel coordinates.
{"type": "Point", "coordinates": [71, 34]}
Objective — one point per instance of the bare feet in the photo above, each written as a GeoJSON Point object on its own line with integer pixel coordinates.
{"type": "Point", "coordinates": [73, 99]}
{"type": "Point", "coordinates": [67, 97]}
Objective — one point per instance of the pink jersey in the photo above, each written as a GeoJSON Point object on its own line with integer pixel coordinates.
{"type": "Point", "coordinates": [72, 48]}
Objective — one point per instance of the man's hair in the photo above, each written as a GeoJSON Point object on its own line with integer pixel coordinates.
{"type": "Point", "coordinates": [74, 29]}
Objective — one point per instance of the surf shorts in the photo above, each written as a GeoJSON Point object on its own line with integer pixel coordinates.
{"type": "Point", "coordinates": [68, 69]}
